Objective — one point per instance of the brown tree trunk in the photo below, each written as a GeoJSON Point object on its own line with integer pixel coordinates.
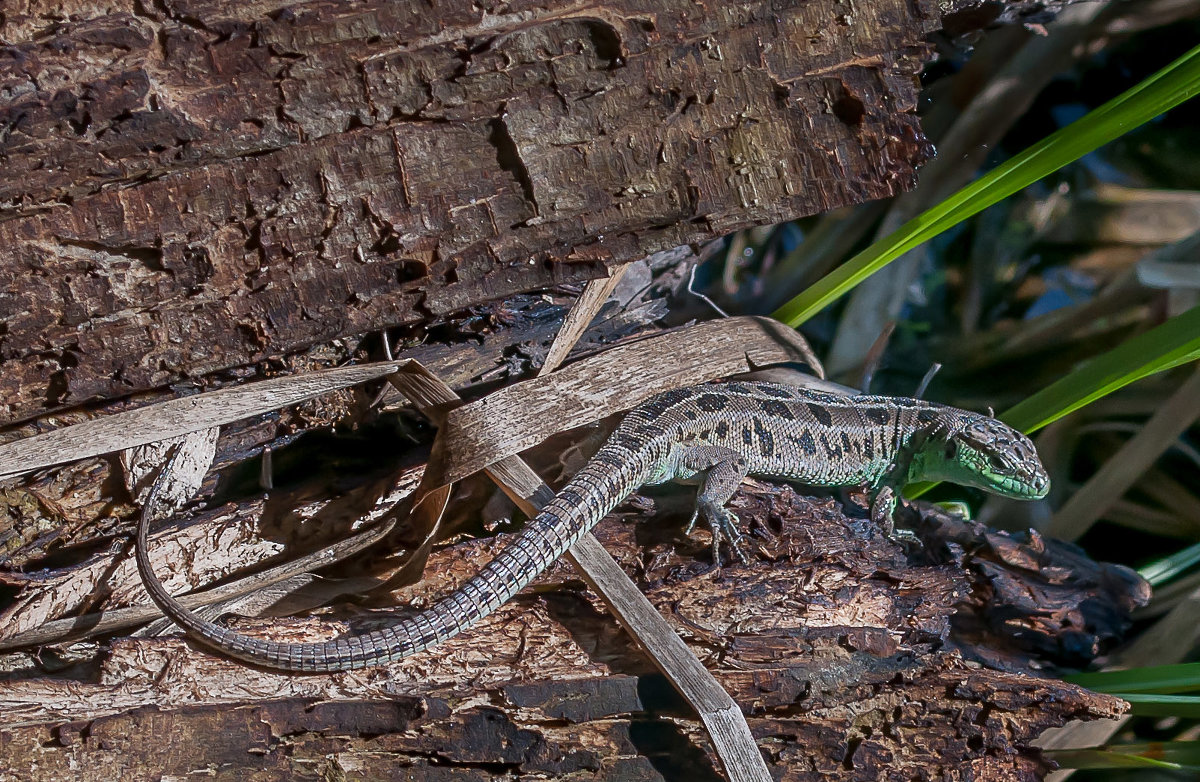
{"type": "Point", "coordinates": [196, 185]}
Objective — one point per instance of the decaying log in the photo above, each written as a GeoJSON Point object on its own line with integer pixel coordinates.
{"type": "Point", "coordinates": [836, 644]}
{"type": "Point", "coordinates": [199, 184]}
{"type": "Point", "coordinates": [1033, 599]}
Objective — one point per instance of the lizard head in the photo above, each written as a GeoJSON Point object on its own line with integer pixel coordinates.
{"type": "Point", "coordinates": [991, 455]}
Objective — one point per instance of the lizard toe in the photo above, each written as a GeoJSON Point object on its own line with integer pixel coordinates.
{"type": "Point", "coordinates": [724, 523]}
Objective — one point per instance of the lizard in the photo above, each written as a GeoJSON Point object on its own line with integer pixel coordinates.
{"type": "Point", "coordinates": [713, 435]}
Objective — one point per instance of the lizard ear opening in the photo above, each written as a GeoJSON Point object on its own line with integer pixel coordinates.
{"type": "Point", "coordinates": [951, 449]}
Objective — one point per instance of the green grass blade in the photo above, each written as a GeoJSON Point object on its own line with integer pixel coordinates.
{"type": "Point", "coordinates": [1170, 86]}
{"type": "Point", "coordinates": [1175, 342]}
{"type": "Point", "coordinates": [1184, 755]}
{"type": "Point", "coordinates": [1154, 705]}
{"type": "Point", "coordinates": [1163, 679]}
{"type": "Point", "coordinates": [1163, 570]}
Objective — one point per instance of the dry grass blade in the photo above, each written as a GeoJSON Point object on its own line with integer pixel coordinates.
{"type": "Point", "coordinates": [1121, 471]}
{"type": "Point", "coordinates": [976, 130]}
{"type": "Point", "coordinates": [524, 414]}
{"type": "Point", "coordinates": [595, 293]}
{"type": "Point", "coordinates": [724, 721]}
{"type": "Point", "coordinates": [1172, 639]}
{"type": "Point", "coordinates": [177, 417]}
{"type": "Point", "coordinates": [103, 622]}
{"type": "Point", "coordinates": [683, 357]}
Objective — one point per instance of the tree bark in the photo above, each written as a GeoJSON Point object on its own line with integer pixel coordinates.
{"type": "Point", "coordinates": [197, 185]}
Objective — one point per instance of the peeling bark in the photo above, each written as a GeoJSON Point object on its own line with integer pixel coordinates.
{"type": "Point", "coordinates": [72, 506]}
{"type": "Point", "coordinates": [196, 188]}
{"type": "Point", "coordinates": [197, 185]}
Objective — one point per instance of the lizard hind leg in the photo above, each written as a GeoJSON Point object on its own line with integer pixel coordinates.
{"type": "Point", "coordinates": [721, 471]}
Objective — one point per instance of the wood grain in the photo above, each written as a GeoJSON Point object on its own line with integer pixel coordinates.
{"type": "Point", "coordinates": [200, 184]}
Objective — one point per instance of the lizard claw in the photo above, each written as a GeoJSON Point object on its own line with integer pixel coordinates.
{"type": "Point", "coordinates": [882, 507]}
{"type": "Point", "coordinates": [723, 523]}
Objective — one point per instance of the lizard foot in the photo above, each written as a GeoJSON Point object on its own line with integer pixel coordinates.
{"type": "Point", "coordinates": [882, 514]}
{"type": "Point", "coordinates": [724, 524]}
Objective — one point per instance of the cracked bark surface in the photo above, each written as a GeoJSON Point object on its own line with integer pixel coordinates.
{"type": "Point", "coordinates": [193, 185]}
{"type": "Point", "coordinates": [839, 647]}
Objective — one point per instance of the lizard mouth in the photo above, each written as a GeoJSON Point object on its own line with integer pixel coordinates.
{"type": "Point", "coordinates": [1034, 487]}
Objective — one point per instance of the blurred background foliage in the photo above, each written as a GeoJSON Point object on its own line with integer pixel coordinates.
{"type": "Point", "coordinates": [1096, 261]}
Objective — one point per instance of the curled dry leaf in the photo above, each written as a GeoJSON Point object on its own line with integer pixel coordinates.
{"type": "Point", "coordinates": [143, 463]}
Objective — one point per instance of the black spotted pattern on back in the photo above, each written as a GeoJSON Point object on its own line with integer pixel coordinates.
{"type": "Point", "coordinates": [778, 392]}
{"type": "Point", "coordinates": [766, 441]}
{"type": "Point", "coordinates": [877, 415]}
{"type": "Point", "coordinates": [820, 412]}
{"type": "Point", "coordinates": [711, 403]}
{"type": "Point", "coordinates": [778, 431]}
{"type": "Point", "coordinates": [806, 443]}
{"type": "Point", "coordinates": [778, 409]}
{"type": "Point", "coordinates": [660, 404]}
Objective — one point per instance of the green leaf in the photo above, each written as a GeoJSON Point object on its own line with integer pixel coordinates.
{"type": "Point", "coordinates": [1169, 87]}
{"type": "Point", "coordinates": [1153, 705]}
{"type": "Point", "coordinates": [1167, 345]}
{"type": "Point", "coordinates": [1163, 570]}
{"type": "Point", "coordinates": [1153, 679]}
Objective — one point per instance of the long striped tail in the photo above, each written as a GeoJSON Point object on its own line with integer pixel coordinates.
{"type": "Point", "coordinates": [598, 488]}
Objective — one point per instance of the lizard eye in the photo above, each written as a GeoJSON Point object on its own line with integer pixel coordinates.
{"type": "Point", "coordinates": [997, 463]}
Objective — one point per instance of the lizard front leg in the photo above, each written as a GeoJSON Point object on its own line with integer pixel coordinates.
{"type": "Point", "coordinates": [883, 505]}
{"type": "Point", "coordinates": [721, 471]}
{"type": "Point", "coordinates": [883, 508]}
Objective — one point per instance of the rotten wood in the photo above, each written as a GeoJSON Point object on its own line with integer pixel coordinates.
{"type": "Point", "coordinates": [218, 543]}
{"type": "Point", "coordinates": [520, 415]}
{"type": "Point", "coordinates": [232, 182]}
{"type": "Point", "coordinates": [77, 503]}
{"type": "Point", "coordinates": [833, 642]}
{"type": "Point", "coordinates": [200, 547]}
{"type": "Point", "coordinates": [724, 723]}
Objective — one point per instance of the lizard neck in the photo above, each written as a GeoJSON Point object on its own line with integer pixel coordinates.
{"type": "Point", "coordinates": [922, 450]}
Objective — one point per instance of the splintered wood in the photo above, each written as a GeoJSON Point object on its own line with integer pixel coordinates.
{"type": "Point", "coordinates": [236, 185]}
{"type": "Point", "coordinates": [833, 644]}
{"type": "Point", "coordinates": [79, 502]}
